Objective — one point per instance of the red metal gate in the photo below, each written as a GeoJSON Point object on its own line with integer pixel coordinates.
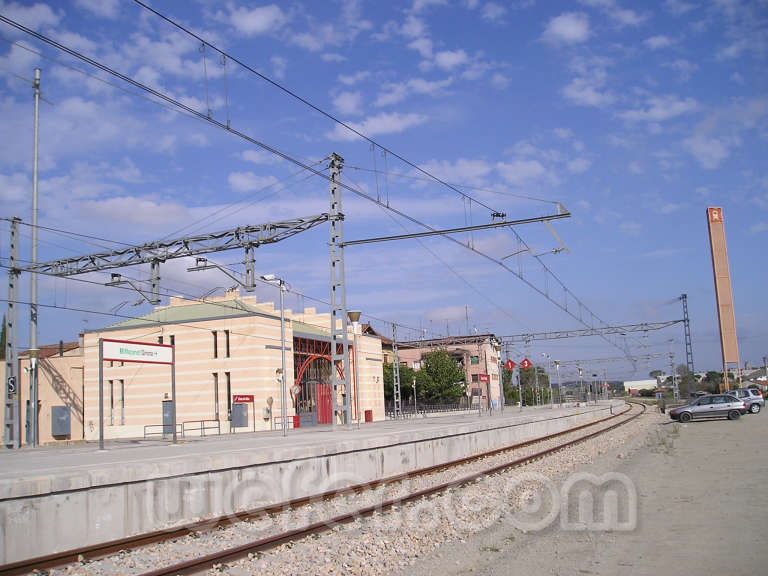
{"type": "Point", "coordinates": [324, 402]}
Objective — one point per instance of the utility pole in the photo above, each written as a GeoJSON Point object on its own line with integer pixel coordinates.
{"type": "Point", "coordinates": [581, 384]}
{"type": "Point", "coordinates": [688, 344]}
{"type": "Point", "coordinates": [396, 374]}
{"type": "Point", "coordinates": [12, 432]}
{"type": "Point", "coordinates": [33, 413]}
{"type": "Point", "coordinates": [339, 320]}
{"type": "Point", "coordinates": [675, 391]}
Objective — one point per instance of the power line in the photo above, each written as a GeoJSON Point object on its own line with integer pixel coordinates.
{"type": "Point", "coordinates": [202, 116]}
{"type": "Point", "coordinates": [307, 102]}
{"type": "Point", "coordinates": [458, 185]}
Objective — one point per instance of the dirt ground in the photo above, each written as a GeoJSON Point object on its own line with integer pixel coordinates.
{"type": "Point", "coordinates": [702, 508]}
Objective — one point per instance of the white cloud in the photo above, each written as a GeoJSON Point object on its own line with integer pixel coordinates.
{"type": "Point", "coordinates": [258, 157]}
{"type": "Point", "coordinates": [104, 8]}
{"type": "Point", "coordinates": [579, 165]}
{"type": "Point", "coordinates": [759, 227]}
{"type": "Point", "coordinates": [333, 57]}
{"type": "Point", "coordinates": [708, 150]}
{"type": "Point", "coordinates": [348, 103]}
{"type": "Point", "coordinates": [679, 7]}
{"type": "Point", "coordinates": [521, 172]}
{"type": "Point", "coordinates": [683, 67]}
{"type": "Point", "coordinates": [249, 182]}
{"type": "Point", "coordinates": [568, 28]}
{"type": "Point", "coordinates": [352, 79]}
{"type": "Point", "coordinates": [732, 50]}
{"type": "Point", "coordinates": [448, 60]}
{"type": "Point", "coordinates": [670, 207]}
{"type": "Point", "coordinates": [34, 16]}
{"type": "Point", "coordinates": [563, 133]}
{"type": "Point", "coordinates": [385, 123]}
{"type": "Point", "coordinates": [14, 188]}
{"type": "Point", "coordinates": [258, 20]}
{"type": "Point", "coordinates": [499, 81]}
{"type": "Point", "coordinates": [658, 42]}
{"type": "Point", "coordinates": [589, 91]}
{"type": "Point", "coordinates": [463, 171]}
{"type": "Point", "coordinates": [423, 46]}
{"type": "Point", "coordinates": [493, 12]}
{"type": "Point", "coordinates": [627, 17]}
{"type": "Point", "coordinates": [634, 167]}
{"type": "Point", "coordinates": [661, 108]}
{"type": "Point", "coordinates": [394, 93]}
{"type": "Point", "coordinates": [279, 65]}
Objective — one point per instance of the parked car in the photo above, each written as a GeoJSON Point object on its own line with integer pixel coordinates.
{"type": "Point", "coordinates": [710, 406]}
{"type": "Point", "coordinates": [752, 397]}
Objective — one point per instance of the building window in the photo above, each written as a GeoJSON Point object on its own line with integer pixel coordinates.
{"type": "Point", "coordinates": [474, 378]}
{"type": "Point", "coordinates": [173, 340]}
{"type": "Point", "coordinates": [474, 359]}
{"type": "Point", "coordinates": [215, 396]}
{"type": "Point", "coordinates": [122, 402]}
{"type": "Point", "coordinates": [226, 343]}
{"type": "Point", "coordinates": [229, 394]}
{"type": "Point", "coordinates": [159, 339]}
{"type": "Point", "coordinates": [215, 344]}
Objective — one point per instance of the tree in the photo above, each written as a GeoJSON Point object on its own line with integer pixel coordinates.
{"type": "Point", "coordinates": [406, 386]}
{"type": "Point", "coordinates": [712, 381]}
{"type": "Point", "coordinates": [655, 373]}
{"type": "Point", "coordinates": [441, 378]}
{"type": "Point", "coordinates": [528, 383]}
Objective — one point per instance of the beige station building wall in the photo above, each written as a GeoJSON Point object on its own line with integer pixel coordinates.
{"type": "Point", "coordinates": [244, 360]}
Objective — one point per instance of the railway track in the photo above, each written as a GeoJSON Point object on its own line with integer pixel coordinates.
{"type": "Point", "coordinates": [204, 562]}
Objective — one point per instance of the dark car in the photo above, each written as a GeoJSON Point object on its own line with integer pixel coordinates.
{"type": "Point", "coordinates": [710, 406]}
{"type": "Point", "coordinates": [752, 397]}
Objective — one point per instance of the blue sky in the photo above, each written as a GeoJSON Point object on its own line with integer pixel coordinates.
{"type": "Point", "coordinates": [635, 117]}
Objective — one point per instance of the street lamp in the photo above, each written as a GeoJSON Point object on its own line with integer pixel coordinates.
{"type": "Point", "coordinates": [354, 317]}
{"type": "Point", "coordinates": [272, 279]}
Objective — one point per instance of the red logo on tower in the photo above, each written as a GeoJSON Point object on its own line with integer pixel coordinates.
{"type": "Point", "coordinates": [525, 364]}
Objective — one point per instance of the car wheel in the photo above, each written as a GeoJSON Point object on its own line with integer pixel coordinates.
{"type": "Point", "coordinates": [685, 417]}
{"type": "Point", "coordinates": [755, 408]}
{"type": "Point", "coordinates": [734, 415]}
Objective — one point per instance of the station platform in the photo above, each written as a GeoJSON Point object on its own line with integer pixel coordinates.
{"type": "Point", "coordinates": [77, 495]}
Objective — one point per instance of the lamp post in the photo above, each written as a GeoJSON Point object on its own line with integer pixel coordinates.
{"type": "Point", "coordinates": [354, 317]}
{"type": "Point", "coordinates": [581, 384]}
{"type": "Point", "coordinates": [272, 279]}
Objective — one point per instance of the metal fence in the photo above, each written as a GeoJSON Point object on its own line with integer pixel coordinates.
{"type": "Point", "coordinates": [423, 409]}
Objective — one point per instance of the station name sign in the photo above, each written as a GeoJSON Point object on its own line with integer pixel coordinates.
{"type": "Point", "coordinates": [144, 352]}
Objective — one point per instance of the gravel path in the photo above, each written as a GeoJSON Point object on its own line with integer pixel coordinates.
{"type": "Point", "coordinates": [387, 541]}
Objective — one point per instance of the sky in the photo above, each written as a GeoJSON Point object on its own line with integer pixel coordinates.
{"type": "Point", "coordinates": [635, 117]}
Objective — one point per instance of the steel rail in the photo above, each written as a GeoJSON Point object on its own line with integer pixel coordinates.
{"type": "Point", "coordinates": [204, 563]}
{"type": "Point", "coordinates": [97, 551]}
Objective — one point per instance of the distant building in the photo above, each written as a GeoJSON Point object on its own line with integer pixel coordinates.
{"type": "Point", "coordinates": [478, 355]}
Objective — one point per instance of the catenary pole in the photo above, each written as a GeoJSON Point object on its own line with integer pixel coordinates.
{"type": "Point", "coordinates": [34, 424]}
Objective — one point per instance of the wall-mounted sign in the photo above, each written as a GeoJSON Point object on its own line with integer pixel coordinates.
{"type": "Point", "coordinates": [247, 398]}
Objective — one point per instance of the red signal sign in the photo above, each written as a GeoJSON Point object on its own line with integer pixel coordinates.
{"type": "Point", "coordinates": [509, 365]}
{"type": "Point", "coordinates": [525, 364]}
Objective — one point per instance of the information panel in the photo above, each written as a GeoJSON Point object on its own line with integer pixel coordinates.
{"type": "Point", "coordinates": [145, 352]}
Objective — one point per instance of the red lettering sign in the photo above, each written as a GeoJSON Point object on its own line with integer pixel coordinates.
{"type": "Point", "coordinates": [238, 398]}
{"type": "Point", "coordinates": [484, 378]}
{"type": "Point", "coordinates": [525, 364]}
{"type": "Point", "coordinates": [510, 365]}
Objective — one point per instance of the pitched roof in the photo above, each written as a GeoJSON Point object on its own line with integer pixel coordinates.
{"type": "Point", "coordinates": [48, 350]}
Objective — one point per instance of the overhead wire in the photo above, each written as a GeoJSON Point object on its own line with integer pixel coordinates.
{"type": "Point", "coordinates": [297, 162]}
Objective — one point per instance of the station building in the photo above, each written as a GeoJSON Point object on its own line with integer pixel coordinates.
{"type": "Point", "coordinates": [224, 347]}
